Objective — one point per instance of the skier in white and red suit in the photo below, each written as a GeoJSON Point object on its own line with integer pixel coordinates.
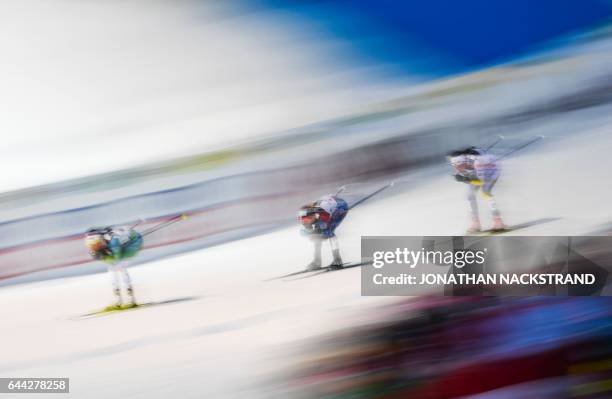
{"type": "Point", "coordinates": [479, 170]}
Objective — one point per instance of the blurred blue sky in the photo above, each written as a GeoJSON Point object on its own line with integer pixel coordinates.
{"type": "Point", "coordinates": [438, 37]}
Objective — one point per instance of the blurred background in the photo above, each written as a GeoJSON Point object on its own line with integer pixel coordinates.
{"type": "Point", "coordinates": [239, 112]}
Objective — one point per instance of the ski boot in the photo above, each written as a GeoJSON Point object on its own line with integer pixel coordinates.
{"type": "Point", "coordinates": [498, 224]}
{"type": "Point", "coordinates": [475, 226]}
{"type": "Point", "coordinates": [116, 305]}
{"type": "Point", "coordinates": [132, 302]}
{"type": "Point", "coordinates": [314, 265]}
{"type": "Point", "coordinates": [337, 263]}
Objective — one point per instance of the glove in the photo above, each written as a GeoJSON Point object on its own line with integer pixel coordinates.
{"type": "Point", "coordinates": [476, 182]}
{"type": "Point", "coordinates": [308, 230]}
{"type": "Point", "coordinates": [461, 178]}
{"type": "Point", "coordinates": [305, 232]}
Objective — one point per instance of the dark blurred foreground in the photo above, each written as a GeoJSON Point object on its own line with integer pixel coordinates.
{"type": "Point", "coordinates": [434, 348]}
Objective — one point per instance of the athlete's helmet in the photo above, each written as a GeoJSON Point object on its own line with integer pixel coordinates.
{"type": "Point", "coordinates": [475, 151]}
{"type": "Point", "coordinates": [95, 239]}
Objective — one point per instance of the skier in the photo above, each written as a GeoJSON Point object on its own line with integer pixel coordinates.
{"type": "Point", "coordinates": [319, 221]}
{"type": "Point", "coordinates": [114, 246]}
{"type": "Point", "coordinates": [480, 170]}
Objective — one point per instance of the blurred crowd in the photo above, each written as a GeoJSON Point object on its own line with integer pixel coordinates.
{"type": "Point", "coordinates": [466, 347]}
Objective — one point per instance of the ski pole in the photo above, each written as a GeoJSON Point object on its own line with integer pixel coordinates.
{"type": "Point", "coordinates": [162, 225]}
{"type": "Point", "coordinates": [136, 224]}
{"type": "Point", "coordinates": [373, 194]}
{"type": "Point", "coordinates": [341, 189]}
{"type": "Point", "coordinates": [153, 229]}
{"type": "Point", "coordinates": [500, 138]}
{"type": "Point", "coordinates": [538, 138]}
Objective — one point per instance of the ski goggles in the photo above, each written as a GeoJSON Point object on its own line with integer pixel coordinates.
{"type": "Point", "coordinates": [309, 216]}
{"type": "Point", "coordinates": [306, 217]}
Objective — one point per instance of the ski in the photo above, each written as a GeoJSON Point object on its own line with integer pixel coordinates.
{"type": "Point", "coordinates": [490, 232]}
{"type": "Point", "coordinates": [329, 269]}
{"type": "Point", "coordinates": [292, 274]}
{"type": "Point", "coordinates": [113, 310]}
{"type": "Point", "coordinates": [324, 269]}
{"type": "Point", "coordinates": [508, 229]}
{"type": "Point", "coordinates": [110, 310]}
